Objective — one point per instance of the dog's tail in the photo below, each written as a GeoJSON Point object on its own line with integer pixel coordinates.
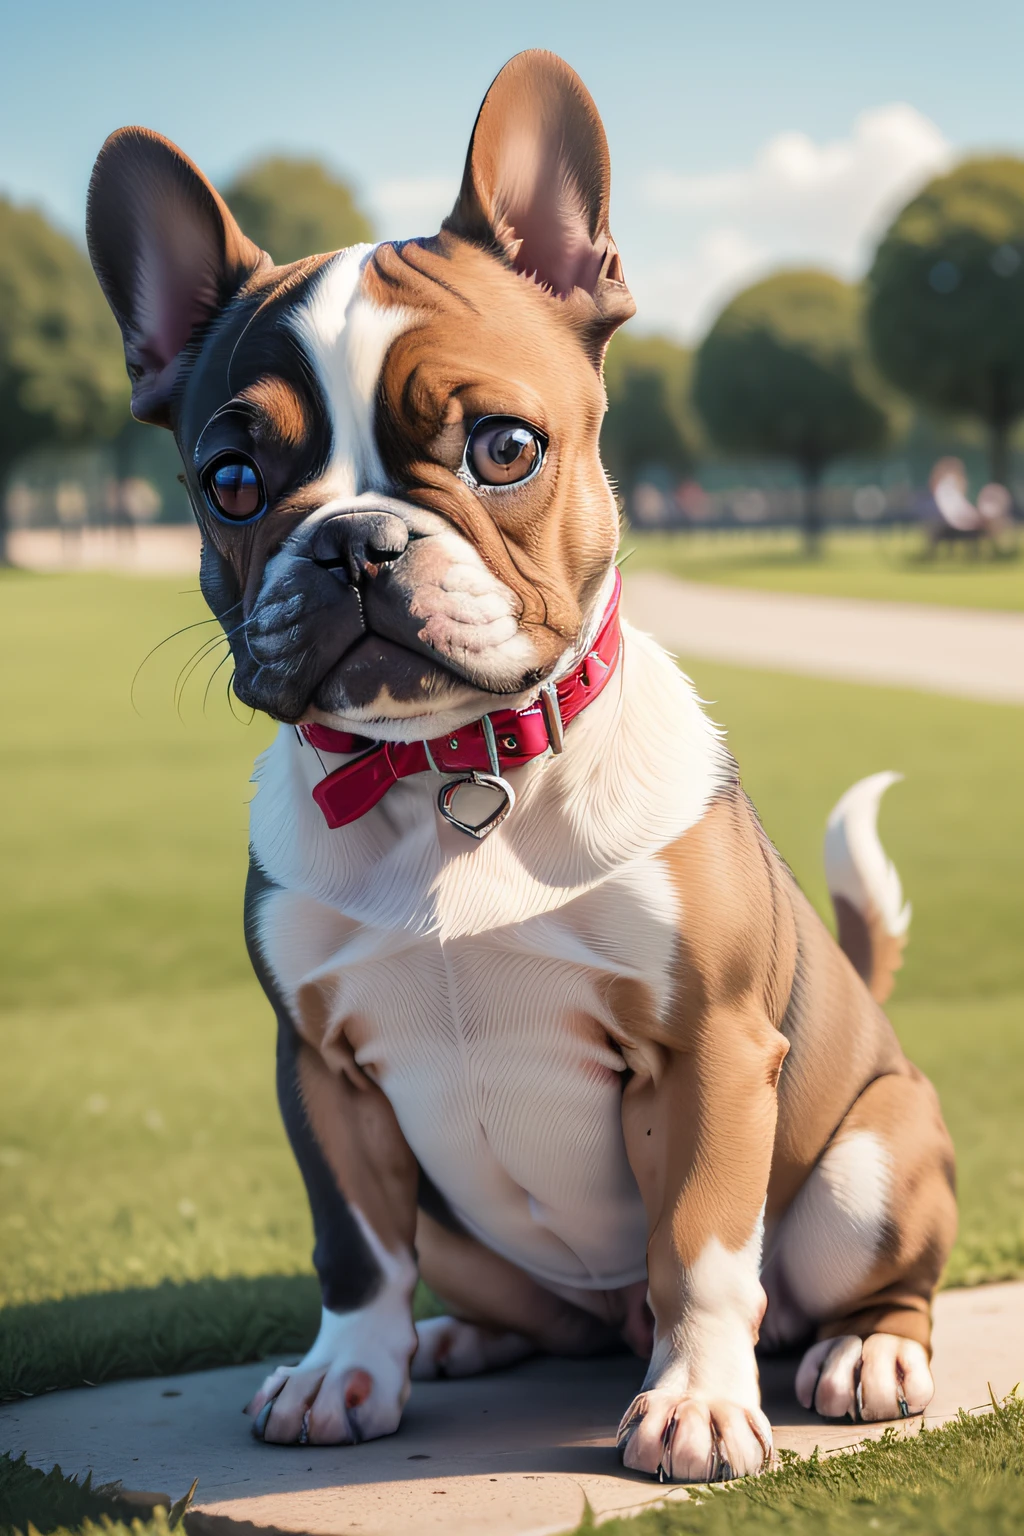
{"type": "Point", "coordinates": [871, 915]}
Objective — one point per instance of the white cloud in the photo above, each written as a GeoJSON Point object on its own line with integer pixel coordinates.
{"type": "Point", "coordinates": [797, 202]}
{"type": "Point", "coordinates": [412, 205]}
{"type": "Point", "coordinates": [679, 293]}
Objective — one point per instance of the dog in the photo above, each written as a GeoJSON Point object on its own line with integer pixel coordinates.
{"type": "Point", "coordinates": [558, 1031]}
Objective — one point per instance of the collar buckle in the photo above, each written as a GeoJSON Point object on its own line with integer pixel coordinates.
{"type": "Point", "coordinates": [552, 712]}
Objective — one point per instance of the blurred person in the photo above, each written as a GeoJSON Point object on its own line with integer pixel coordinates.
{"type": "Point", "coordinates": [995, 508]}
{"type": "Point", "coordinates": [951, 515]}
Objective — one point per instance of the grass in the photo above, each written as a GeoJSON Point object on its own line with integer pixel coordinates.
{"type": "Point", "coordinates": [973, 1051]}
{"type": "Point", "coordinates": [49, 1502]}
{"type": "Point", "coordinates": [154, 1331]}
{"type": "Point", "coordinates": [965, 1479]}
{"type": "Point", "coordinates": [151, 1216]}
{"type": "Point", "coordinates": [127, 851]}
{"type": "Point", "coordinates": [880, 564]}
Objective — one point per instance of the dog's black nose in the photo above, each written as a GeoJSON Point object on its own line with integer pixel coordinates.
{"type": "Point", "coordinates": [357, 544]}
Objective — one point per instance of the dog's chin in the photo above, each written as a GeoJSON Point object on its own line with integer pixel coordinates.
{"type": "Point", "coordinates": [386, 691]}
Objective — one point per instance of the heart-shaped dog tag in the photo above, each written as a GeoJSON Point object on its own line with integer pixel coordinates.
{"type": "Point", "coordinates": [476, 803]}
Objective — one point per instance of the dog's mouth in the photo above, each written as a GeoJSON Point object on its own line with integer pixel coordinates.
{"type": "Point", "coordinates": [393, 677]}
{"type": "Point", "coordinates": [331, 672]}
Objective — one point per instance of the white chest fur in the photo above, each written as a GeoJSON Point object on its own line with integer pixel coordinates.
{"type": "Point", "coordinates": [471, 980]}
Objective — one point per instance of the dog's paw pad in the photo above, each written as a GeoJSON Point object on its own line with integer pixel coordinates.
{"type": "Point", "coordinates": [866, 1380]}
{"type": "Point", "coordinates": [684, 1439]}
{"type": "Point", "coordinates": [448, 1347]}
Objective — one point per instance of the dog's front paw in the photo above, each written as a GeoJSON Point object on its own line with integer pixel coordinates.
{"type": "Point", "coordinates": [351, 1386]}
{"type": "Point", "coordinates": [880, 1377]}
{"type": "Point", "coordinates": [683, 1439]}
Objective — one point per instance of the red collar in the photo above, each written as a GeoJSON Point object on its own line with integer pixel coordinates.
{"type": "Point", "coordinates": [520, 735]}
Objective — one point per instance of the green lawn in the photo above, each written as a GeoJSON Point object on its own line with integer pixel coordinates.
{"type": "Point", "coordinates": [966, 1479]}
{"type": "Point", "coordinates": [887, 565]}
{"type": "Point", "coordinates": [139, 1138]}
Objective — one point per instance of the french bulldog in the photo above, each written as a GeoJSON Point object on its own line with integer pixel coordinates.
{"type": "Point", "coordinates": [558, 1031]}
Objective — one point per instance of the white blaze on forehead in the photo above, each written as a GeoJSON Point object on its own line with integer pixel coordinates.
{"type": "Point", "coordinates": [346, 337]}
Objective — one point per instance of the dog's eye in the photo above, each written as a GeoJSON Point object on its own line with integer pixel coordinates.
{"type": "Point", "coordinates": [503, 451]}
{"type": "Point", "coordinates": [234, 490]}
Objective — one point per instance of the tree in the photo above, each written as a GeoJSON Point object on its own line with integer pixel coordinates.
{"type": "Point", "coordinates": [945, 315]}
{"type": "Point", "coordinates": [649, 419]}
{"type": "Point", "coordinates": [783, 372]}
{"type": "Point", "coordinates": [62, 376]}
{"type": "Point", "coordinates": [296, 208]}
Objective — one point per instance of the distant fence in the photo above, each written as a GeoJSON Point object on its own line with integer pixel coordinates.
{"type": "Point", "coordinates": [99, 501]}
{"type": "Point", "coordinates": [87, 495]}
{"type": "Point", "coordinates": [691, 505]}
{"type": "Point", "coordinates": [94, 487]}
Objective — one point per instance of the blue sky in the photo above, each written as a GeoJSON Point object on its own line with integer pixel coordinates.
{"type": "Point", "coordinates": [743, 135]}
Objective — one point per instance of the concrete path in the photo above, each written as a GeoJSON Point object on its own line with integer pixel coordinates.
{"type": "Point", "coordinates": [513, 1454]}
{"type": "Point", "coordinates": [960, 651]}
{"type": "Point", "coordinates": [166, 549]}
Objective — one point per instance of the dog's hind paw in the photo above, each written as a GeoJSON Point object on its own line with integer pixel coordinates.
{"type": "Point", "coordinates": [448, 1347]}
{"type": "Point", "coordinates": [866, 1380]}
{"type": "Point", "coordinates": [680, 1439]}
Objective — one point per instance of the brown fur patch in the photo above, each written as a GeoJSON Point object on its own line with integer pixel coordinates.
{"type": "Point", "coordinates": [839, 1041]}
{"type": "Point", "coordinates": [484, 341]}
{"type": "Point", "coordinates": [875, 955]}
{"type": "Point", "coordinates": [282, 416]}
{"type": "Point", "coordinates": [358, 1133]}
{"type": "Point", "coordinates": [481, 1287]}
{"type": "Point", "coordinates": [717, 1110]}
{"type": "Point", "coordinates": [700, 1122]}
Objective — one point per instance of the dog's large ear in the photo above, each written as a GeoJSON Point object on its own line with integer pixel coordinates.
{"type": "Point", "coordinates": [537, 183]}
{"type": "Point", "coordinates": [168, 255]}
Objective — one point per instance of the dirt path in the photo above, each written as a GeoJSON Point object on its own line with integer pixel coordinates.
{"type": "Point", "coordinates": [513, 1454]}
{"type": "Point", "coordinates": [959, 651]}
